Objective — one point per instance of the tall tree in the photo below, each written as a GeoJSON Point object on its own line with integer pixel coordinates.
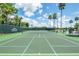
{"type": "Point", "coordinates": [7, 9]}
{"type": "Point", "coordinates": [20, 18]}
{"type": "Point", "coordinates": [76, 19]}
{"type": "Point", "coordinates": [17, 20]}
{"type": "Point", "coordinates": [54, 19]}
{"type": "Point", "coordinates": [71, 21]}
{"type": "Point", "coordinates": [27, 24]}
{"type": "Point", "coordinates": [61, 7]}
{"type": "Point", "coordinates": [77, 24]}
{"type": "Point", "coordinates": [24, 24]}
{"type": "Point", "coordinates": [50, 17]}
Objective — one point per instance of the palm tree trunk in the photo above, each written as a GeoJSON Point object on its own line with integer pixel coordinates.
{"type": "Point", "coordinates": [71, 25]}
{"type": "Point", "coordinates": [57, 23]}
{"type": "Point", "coordinates": [50, 22]}
{"type": "Point", "coordinates": [53, 23]}
{"type": "Point", "coordinates": [61, 20]}
{"type": "Point", "coordinates": [6, 18]}
{"type": "Point", "coordinates": [76, 22]}
{"type": "Point", "coordinates": [19, 24]}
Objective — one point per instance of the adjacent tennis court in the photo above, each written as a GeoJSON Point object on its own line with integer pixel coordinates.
{"type": "Point", "coordinates": [40, 43]}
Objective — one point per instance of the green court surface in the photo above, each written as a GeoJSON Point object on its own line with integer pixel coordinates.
{"type": "Point", "coordinates": [40, 43]}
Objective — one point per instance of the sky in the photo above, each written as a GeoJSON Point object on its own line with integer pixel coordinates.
{"type": "Point", "coordinates": [36, 14]}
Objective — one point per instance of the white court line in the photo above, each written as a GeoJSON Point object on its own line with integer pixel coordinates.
{"type": "Point", "coordinates": [11, 46]}
{"type": "Point", "coordinates": [25, 46]}
{"type": "Point", "coordinates": [10, 40]}
{"type": "Point", "coordinates": [50, 46]}
{"type": "Point", "coordinates": [35, 54]}
{"type": "Point", "coordinates": [28, 45]}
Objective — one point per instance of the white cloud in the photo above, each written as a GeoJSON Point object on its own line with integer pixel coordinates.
{"type": "Point", "coordinates": [19, 5]}
{"type": "Point", "coordinates": [34, 22]}
{"type": "Point", "coordinates": [24, 19]}
{"type": "Point", "coordinates": [39, 24]}
{"type": "Point", "coordinates": [47, 7]}
{"type": "Point", "coordinates": [29, 8]}
{"type": "Point", "coordinates": [40, 11]}
{"type": "Point", "coordinates": [29, 14]}
{"type": "Point", "coordinates": [45, 15]}
{"type": "Point", "coordinates": [39, 18]}
{"type": "Point", "coordinates": [43, 25]}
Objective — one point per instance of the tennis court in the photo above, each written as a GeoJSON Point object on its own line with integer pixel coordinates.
{"type": "Point", "coordinates": [39, 43]}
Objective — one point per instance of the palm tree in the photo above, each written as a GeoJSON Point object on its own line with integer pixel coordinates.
{"type": "Point", "coordinates": [24, 24]}
{"type": "Point", "coordinates": [7, 9]}
{"type": "Point", "coordinates": [77, 24]}
{"type": "Point", "coordinates": [20, 18]}
{"type": "Point", "coordinates": [76, 19]}
{"type": "Point", "coordinates": [54, 19]}
{"type": "Point", "coordinates": [61, 7]}
{"type": "Point", "coordinates": [17, 20]}
{"type": "Point", "coordinates": [71, 21]}
{"type": "Point", "coordinates": [50, 17]}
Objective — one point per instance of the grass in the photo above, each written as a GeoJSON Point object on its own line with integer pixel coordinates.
{"type": "Point", "coordinates": [4, 37]}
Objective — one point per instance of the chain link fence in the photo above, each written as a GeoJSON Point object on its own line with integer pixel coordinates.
{"type": "Point", "coordinates": [5, 28]}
